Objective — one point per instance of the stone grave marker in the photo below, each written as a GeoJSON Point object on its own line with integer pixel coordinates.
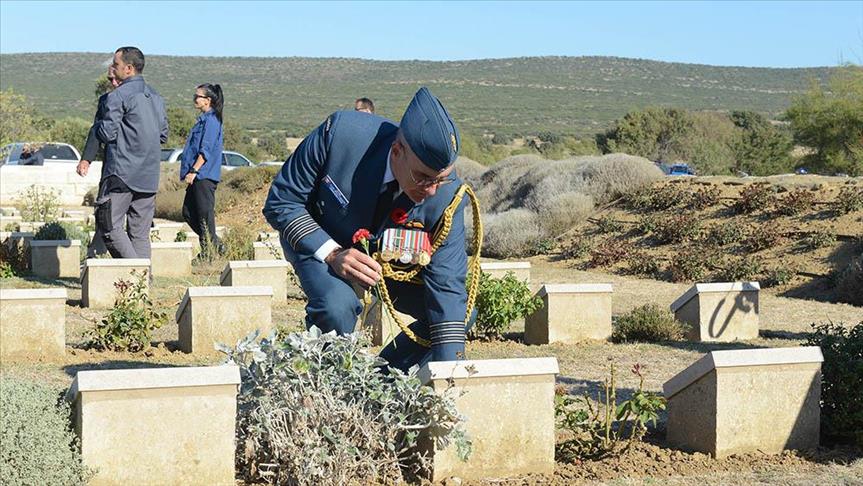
{"type": "Point", "coordinates": [268, 251]}
{"type": "Point", "coordinates": [165, 232]}
{"type": "Point", "coordinates": [100, 274]}
{"type": "Point", "coordinates": [210, 315]}
{"type": "Point", "coordinates": [55, 258]}
{"type": "Point", "coordinates": [509, 405]}
{"type": "Point", "coordinates": [746, 401]}
{"type": "Point", "coordinates": [521, 270]}
{"type": "Point", "coordinates": [173, 259]}
{"type": "Point", "coordinates": [258, 272]}
{"type": "Point", "coordinates": [157, 425]}
{"type": "Point", "coordinates": [570, 313]}
{"type": "Point", "coordinates": [719, 312]}
{"type": "Point", "coordinates": [32, 324]}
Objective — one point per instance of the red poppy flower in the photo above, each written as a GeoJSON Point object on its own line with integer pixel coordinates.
{"type": "Point", "coordinates": [399, 216]}
{"type": "Point", "coordinates": [360, 235]}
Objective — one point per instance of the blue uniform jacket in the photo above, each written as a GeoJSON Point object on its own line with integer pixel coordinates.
{"type": "Point", "coordinates": [328, 188]}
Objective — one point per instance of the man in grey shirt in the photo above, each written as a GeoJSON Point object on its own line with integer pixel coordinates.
{"type": "Point", "coordinates": [133, 128]}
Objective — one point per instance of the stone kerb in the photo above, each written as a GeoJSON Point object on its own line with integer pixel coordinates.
{"type": "Point", "coordinates": [268, 250]}
{"type": "Point", "coordinates": [521, 270]}
{"type": "Point", "coordinates": [33, 324]}
{"type": "Point", "coordinates": [570, 313]}
{"type": "Point", "coordinates": [55, 258]}
{"type": "Point", "coordinates": [210, 315]}
{"type": "Point", "coordinates": [172, 259]}
{"type": "Point", "coordinates": [746, 401]}
{"type": "Point", "coordinates": [509, 405]}
{"type": "Point", "coordinates": [719, 312]}
{"type": "Point", "coordinates": [157, 425]}
{"type": "Point", "coordinates": [100, 274]}
{"type": "Point", "coordinates": [258, 272]}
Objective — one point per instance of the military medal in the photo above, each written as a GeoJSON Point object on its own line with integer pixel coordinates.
{"type": "Point", "coordinates": [407, 246]}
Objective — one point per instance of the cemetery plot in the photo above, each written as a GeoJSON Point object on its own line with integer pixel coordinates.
{"type": "Point", "coordinates": [719, 312]}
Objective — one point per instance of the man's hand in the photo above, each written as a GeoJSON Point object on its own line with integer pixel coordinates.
{"type": "Point", "coordinates": [83, 168]}
{"type": "Point", "coordinates": [190, 178]}
{"type": "Point", "coordinates": [355, 266]}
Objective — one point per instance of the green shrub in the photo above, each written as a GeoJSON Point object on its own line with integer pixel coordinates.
{"type": "Point", "coordinates": [607, 224]}
{"type": "Point", "coordinates": [130, 324]}
{"type": "Point", "coordinates": [14, 258]}
{"type": "Point", "coordinates": [649, 323]}
{"type": "Point", "coordinates": [317, 409]}
{"type": "Point", "coordinates": [647, 224]}
{"type": "Point", "coordinates": [599, 427]}
{"type": "Point", "coordinates": [849, 200]}
{"type": "Point", "coordinates": [239, 242]}
{"type": "Point", "coordinates": [39, 203]}
{"type": "Point", "coordinates": [37, 444]}
{"type": "Point", "coordinates": [578, 248]}
{"type": "Point", "coordinates": [181, 237]}
{"type": "Point", "coordinates": [689, 265]}
{"type": "Point", "coordinates": [725, 233]}
{"type": "Point", "coordinates": [678, 228]}
{"type": "Point", "coordinates": [795, 202]}
{"type": "Point", "coordinates": [745, 268]}
{"type": "Point", "coordinates": [753, 198]}
{"type": "Point", "coordinates": [780, 275]}
{"type": "Point", "coordinates": [849, 282]}
{"type": "Point", "coordinates": [609, 252]}
{"type": "Point", "coordinates": [704, 197]}
{"type": "Point", "coordinates": [819, 239]}
{"type": "Point", "coordinates": [762, 237]}
{"type": "Point", "coordinates": [60, 231]}
{"type": "Point", "coordinates": [841, 380]}
{"type": "Point", "coordinates": [248, 180]}
{"type": "Point", "coordinates": [640, 263]}
{"type": "Point", "coordinates": [499, 302]}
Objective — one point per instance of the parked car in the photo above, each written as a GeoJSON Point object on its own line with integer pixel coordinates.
{"type": "Point", "coordinates": [681, 170]}
{"type": "Point", "coordinates": [52, 152]}
{"type": "Point", "coordinates": [276, 163]}
{"type": "Point", "coordinates": [230, 160]}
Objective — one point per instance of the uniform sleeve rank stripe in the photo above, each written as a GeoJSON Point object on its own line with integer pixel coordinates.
{"type": "Point", "coordinates": [300, 228]}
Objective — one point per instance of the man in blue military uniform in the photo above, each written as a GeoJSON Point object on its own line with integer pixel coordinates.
{"type": "Point", "coordinates": [349, 174]}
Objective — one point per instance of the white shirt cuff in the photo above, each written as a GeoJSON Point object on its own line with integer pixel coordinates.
{"type": "Point", "coordinates": [326, 249]}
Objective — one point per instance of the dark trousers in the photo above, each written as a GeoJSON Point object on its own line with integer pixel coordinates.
{"type": "Point", "coordinates": [199, 210]}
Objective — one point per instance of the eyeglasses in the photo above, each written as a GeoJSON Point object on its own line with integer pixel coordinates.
{"type": "Point", "coordinates": [195, 98]}
{"type": "Point", "coordinates": [425, 182]}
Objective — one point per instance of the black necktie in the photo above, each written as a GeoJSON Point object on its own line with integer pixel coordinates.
{"type": "Point", "coordinates": [385, 202]}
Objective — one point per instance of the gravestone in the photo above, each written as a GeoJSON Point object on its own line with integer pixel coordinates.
{"type": "Point", "coordinates": [268, 251]}
{"type": "Point", "coordinates": [157, 425]}
{"type": "Point", "coordinates": [258, 272]}
{"type": "Point", "coordinates": [165, 232]}
{"type": "Point", "coordinates": [746, 401]}
{"type": "Point", "coordinates": [509, 406]}
{"type": "Point", "coordinates": [521, 270]}
{"type": "Point", "coordinates": [100, 275]}
{"type": "Point", "coordinates": [172, 259]}
{"type": "Point", "coordinates": [10, 222]}
{"type": "Point", "coordinates": [570, 313]}
{"type": "Point", "coordinates": [210, 315]}
{"type": "Point", "coordinates": [9, 211]}
{"type": "Point", "coordinates": [719, 312]}
{"type": "Point", "coordinates": [269, 236]}
{"type": "Point", "coordinates": [379, 324]}
{"type": "Point", "coordinates": [31, 226]}
{"type": "Point", "coordinates": [32, 324]}
{"type": "Point", "coordinates": [55, 258]}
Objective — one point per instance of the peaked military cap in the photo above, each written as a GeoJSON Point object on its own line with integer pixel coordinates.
{"type": "Point", "coordinates": [430, 131]}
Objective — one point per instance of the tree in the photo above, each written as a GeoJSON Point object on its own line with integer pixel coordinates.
{"type": "Point", "coordinates": [180, 121]}
{"type": "Point", "coordinates": [831, 123]}
{"type": "Point", "coordinates": [759, 148]}
{"type": "Point", "coordinates": [70, 130]}
{"type": "Point", "coordinates": [102, 86]}
{"type": "Point", "coordinates": [19, 121]}
{"type": "Point", "coordinates": [654, 133]}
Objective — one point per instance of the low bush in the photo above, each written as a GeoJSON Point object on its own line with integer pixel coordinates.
{"type": "Point", "coordinates": [665, 197]}
{"type": "Point", "coordinates": [690, 265]}
{"type": "Point", "coordinates": [647, 224]}
{"type": "Point", "coordinates": [578, 248]}
{"type": "Point", "coordinates": [239, 242]}
{"type": "Point", "coordinates": [609, 252]}
{"type": "Point", "coordinates": [753, 198]}
{"type": "Point", "coordinates": [762, 237]}
{"type": "Point", "coordinates": [512, 233]}
{"type": "Point", "coordinates": [841, 380]}
{"type": "Point", "coordinates": [14, 258]}
{"type": "Point", "coordinates": [649, 323]}
{"type": "Point", "coordinates": [39, 203]}
{"type": "Point", "coordinates": [130, 324]}
{"type": "Point", "coordinates": [248, 180]}
{"type": "Point", "coordinates": [641, 263]}
{"type": "Point", "coordinates": [64, 231]}
{"type": "Point", "coordinates": [678, 228]}
{"type": "Point", "coordinates": [726, 233]}
{"type": "Point", "coordinates": [819, 239]}
{"type": "Point", "coordinates": [318, 409]}
{"type": "Point", "coordinates": [704, 198]}
{"type": "Point", "coordinates": [849, 282]}
{"type": "Point", "coordinates": [499, 302]}
{"type": "Point", "coordinates": [795, 202]}
{"type": "Point", "coordinates": [744, 268]}
{"type": "Point", "coordinates": [607, 224]}
{"type": "Point", "coordinates": [37, 445]}
{"type": "Point", "coordinates": [776, 276]}
{"type": "Point", "coordinates": [561, 213]}
{"type": "Point", "coordinates": [849, 200]}
{"type": "Point", "coordinates": [601, 427]}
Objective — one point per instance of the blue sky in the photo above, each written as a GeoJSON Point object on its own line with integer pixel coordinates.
{"type": "Point", "coordinates": [774, 34]}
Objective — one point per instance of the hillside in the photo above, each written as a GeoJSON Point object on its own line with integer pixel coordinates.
{"type": "Point", "coordinates": [574, 95]}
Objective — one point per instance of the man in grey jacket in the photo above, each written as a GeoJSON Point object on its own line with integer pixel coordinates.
{"type": "Point", "coordinates": [133, 128]}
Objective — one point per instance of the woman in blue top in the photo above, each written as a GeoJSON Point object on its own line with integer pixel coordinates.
{"type": "Point", "coordinates": [201, 165]}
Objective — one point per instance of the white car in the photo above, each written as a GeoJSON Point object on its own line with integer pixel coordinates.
{"type": "Point", "coordinates": [52, 152]}
{"type": "Point", "coordinates": [230, 160]}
